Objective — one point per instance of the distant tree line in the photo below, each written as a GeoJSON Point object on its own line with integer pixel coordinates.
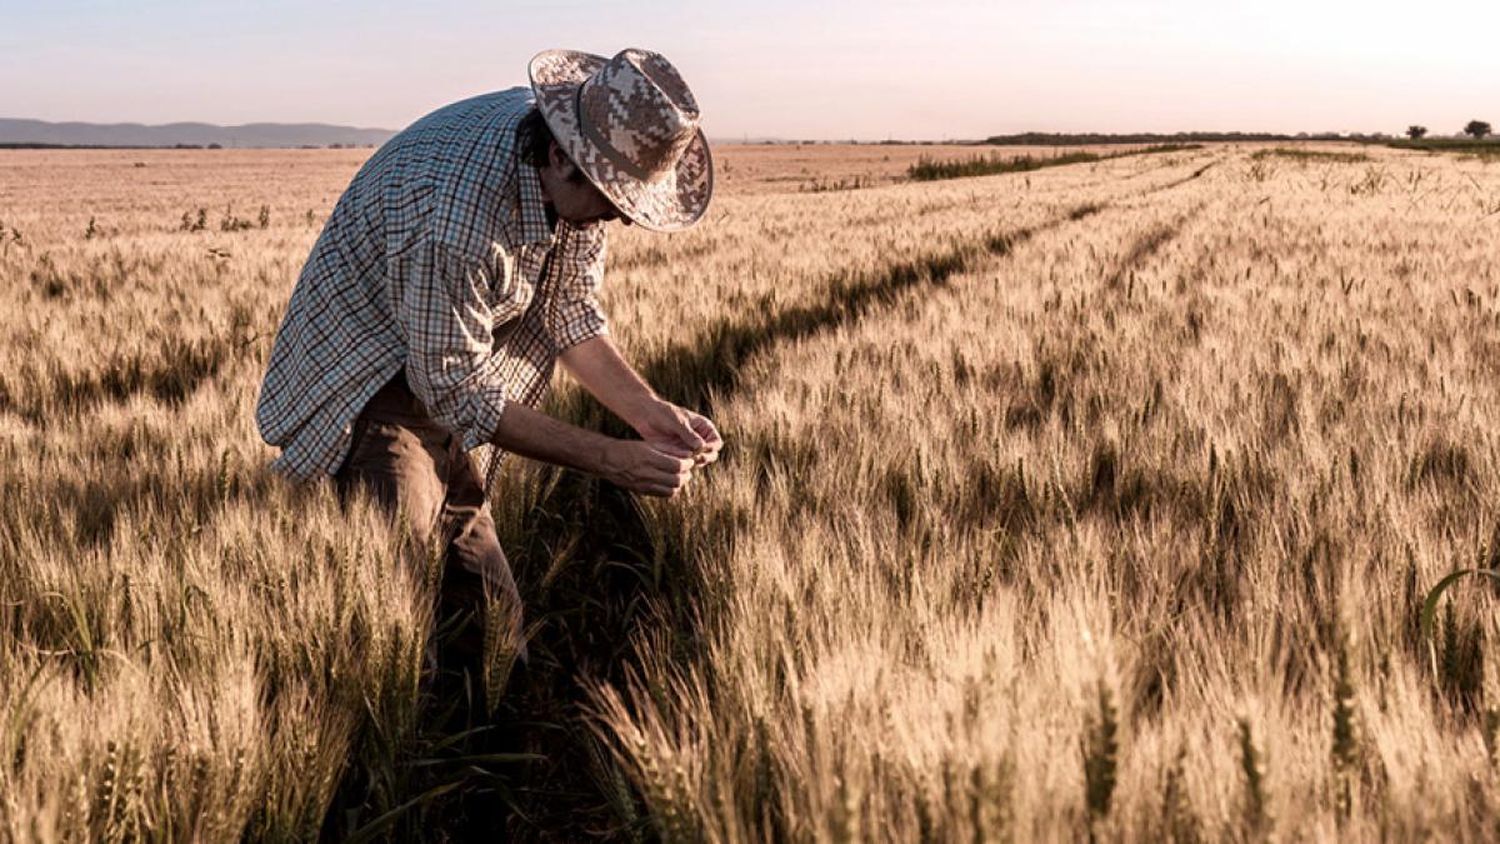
{"type": "Point", "coordinates": [1153, 138]}
{"type": "Point", "coordinates": [1476, 129]}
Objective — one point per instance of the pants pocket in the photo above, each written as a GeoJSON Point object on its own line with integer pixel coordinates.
{"type": "Point", "coordinates": [358, 433]}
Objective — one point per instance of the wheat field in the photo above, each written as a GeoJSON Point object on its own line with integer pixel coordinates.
{"type": "Point", "coordinates": [1099, 502]}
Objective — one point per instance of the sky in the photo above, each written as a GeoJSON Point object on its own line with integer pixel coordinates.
{"type": "Point", "coordinates": [919, 69]}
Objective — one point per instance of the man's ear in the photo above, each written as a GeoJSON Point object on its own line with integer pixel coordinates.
{"type": "Point", "coordinates": [559, 160]}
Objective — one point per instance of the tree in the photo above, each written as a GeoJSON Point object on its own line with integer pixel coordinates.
{"type": "Point", "coordinates": [1477, 128]}
{"type": "Point", "coordinates": [1416, 133]}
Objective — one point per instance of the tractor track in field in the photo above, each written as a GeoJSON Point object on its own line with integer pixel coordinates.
{"type": "Point", "coordinates": [712, 359]}
{"type": "Point", "coordinates": [1147, 244]}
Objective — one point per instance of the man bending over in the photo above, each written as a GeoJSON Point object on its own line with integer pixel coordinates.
{"type": "Point", "coordinates": [460, 264]}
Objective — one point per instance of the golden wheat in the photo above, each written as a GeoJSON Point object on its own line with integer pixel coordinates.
{"type": "Point", "coordinates": [1099, 500]}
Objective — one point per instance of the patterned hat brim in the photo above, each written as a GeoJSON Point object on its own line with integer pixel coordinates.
{"type": "Point", "coordinates": [671, 203]}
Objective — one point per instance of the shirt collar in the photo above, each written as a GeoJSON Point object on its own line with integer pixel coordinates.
{"type": "Point", "coordinates": [528, 217]}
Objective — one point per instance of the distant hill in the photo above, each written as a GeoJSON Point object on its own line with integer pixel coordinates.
{"type": "Point", "coordinates": [18, 132]}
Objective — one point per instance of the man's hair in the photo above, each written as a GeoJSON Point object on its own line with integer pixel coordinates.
{"type": "Point", "coordinates": [534, 137]}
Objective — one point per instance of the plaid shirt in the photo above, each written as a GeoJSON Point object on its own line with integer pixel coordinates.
{"type": "Point", "coordinates": [437, 258]}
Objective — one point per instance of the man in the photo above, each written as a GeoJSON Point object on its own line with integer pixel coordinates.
{"type": "Point", "coordinates": [460, 264]}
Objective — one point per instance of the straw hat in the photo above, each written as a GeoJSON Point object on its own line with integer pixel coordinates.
{"type": "Point", "coordinates": [631, 124]}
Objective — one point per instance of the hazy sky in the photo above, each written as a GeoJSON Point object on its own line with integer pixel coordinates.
{"type": "Point", "coordinates": [874, 69]}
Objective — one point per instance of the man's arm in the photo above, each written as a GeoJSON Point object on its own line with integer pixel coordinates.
{"type": "Point", "coordinates": [578, 326]}
{"type": "Point", "coordinates": [632, 464]}
{"type": "Point", "coordinates": [446, 322]}
{"type": "Point", "coordinates": [599, 367]}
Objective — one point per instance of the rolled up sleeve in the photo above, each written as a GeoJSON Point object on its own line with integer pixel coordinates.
{"type": "Point", "coordinates": [575, 314]}
{"type": "Point", "coordinates": [446, 318]}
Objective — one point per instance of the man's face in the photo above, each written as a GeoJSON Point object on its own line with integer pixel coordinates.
{"type": "Point", "coordinates": [573, 197]}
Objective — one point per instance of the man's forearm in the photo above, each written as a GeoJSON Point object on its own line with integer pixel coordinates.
{"type": "Point", "coordinates": [599, 367]}
{"type": "Point", "coordinates": [536, 435]}
{"type": "Point", "coordinates": [665, 426]}
{"type": "Point", "coordinates": [633, 464]}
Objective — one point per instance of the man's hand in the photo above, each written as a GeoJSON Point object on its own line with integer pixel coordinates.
{"type": "Point", "coordinates": [597, 365]}
{"type": "Point", "coordinates": [680, 432]}
{"type": "Point", "coordinates": [640, 467]}
{"type": "Point", "coordinates": [633, 464]}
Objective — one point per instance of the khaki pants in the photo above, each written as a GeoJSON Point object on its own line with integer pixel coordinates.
{"type": "Point", "coordinates": [421, 474]}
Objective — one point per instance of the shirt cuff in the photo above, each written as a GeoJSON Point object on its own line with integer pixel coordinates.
{"type": "Point", "coordinates": [487, 410]}
{"type": "Point", "coordinates": [583, 321]}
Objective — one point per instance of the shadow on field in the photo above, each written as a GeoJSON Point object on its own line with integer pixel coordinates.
{"type": "Point", "coordinates": [169, 373]}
